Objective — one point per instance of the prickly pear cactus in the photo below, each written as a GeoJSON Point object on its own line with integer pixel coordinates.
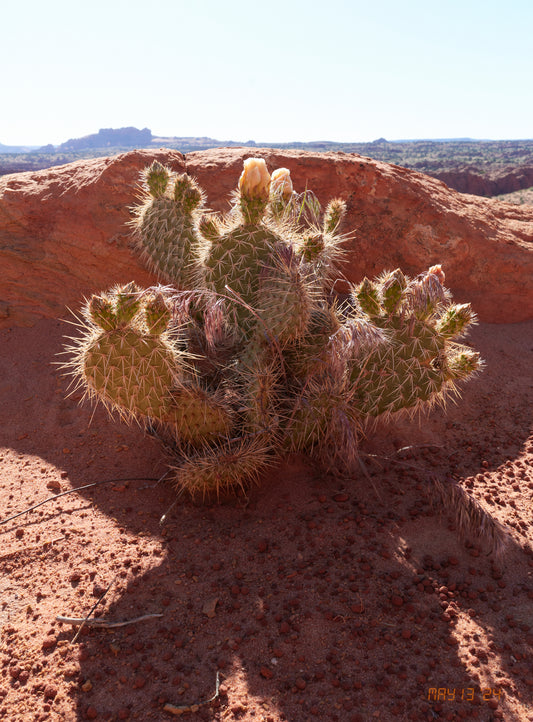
{"type": "Point", "coordinates": [244, 354]}
{"type": "Point", "coordinates": [421, 362]}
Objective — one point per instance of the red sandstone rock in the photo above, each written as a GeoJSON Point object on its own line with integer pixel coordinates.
{"type": "Point", "coordinates": [64, 233]}
{"type": "Point", "coordinates": [473, 180]}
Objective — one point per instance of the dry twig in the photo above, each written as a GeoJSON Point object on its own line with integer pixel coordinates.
{"type": "Point", "coordinates": [84, 621]}
{"type": "Point", "coordinates": [71, 491]}
{"type": "Point", "coordinates": [103, 622]}
{"type": "Point", "coordinates": [193, 707]}
{"type": "Point", "coordinates": [29, 550]}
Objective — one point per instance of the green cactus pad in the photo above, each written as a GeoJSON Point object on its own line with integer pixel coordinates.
{"type": "Point", "coordinates": [324, 422]}
{"type": "Point", "coordinates": [236, 259]}
{"type": "Point", "coordinates": [165, 228]}
{"type": "Point", "coordinates": [286, 300]}
{"type": "Point", "coordinates": [393, 286]}
{"type": "Point", "coordinates": [222, 468]}
{"type": "Point", "coordinates": [132, 372]}
{"type": "Point", "coordinates": [157, 314]}
{"type": "Point", "coordinates": [455, 320]}
{"type": "Point", "coordinates": [410, 370]}
{"type": "Point", "coordinates": [335, 212]}
{"type": "Point", "coordinates": [261, 400]}
{"type": "Point", "coordinates": [367, 295]}
{"type": "Point", "coordinates": [309, 356]}
{"type": "Point", "coordinates": [127, 303]}
{"type": "Point", "coordinates": [156, 179]}
{"type": "Point", "coordinates": [197, 417]}
{"type": "Point", "coordinates": [101, 311]}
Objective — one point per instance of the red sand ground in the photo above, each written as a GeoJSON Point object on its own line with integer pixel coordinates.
{"type": "Point", "coordinates": [314, 597]}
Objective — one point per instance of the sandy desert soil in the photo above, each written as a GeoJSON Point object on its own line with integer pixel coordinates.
{"type": "Point", "coordinates": [313, 598]}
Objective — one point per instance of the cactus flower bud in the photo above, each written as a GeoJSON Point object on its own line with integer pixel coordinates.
{"type": "Point", "coordinates": [102, 312]}
{"type": "Point", "coordinates": [255, 179]}
{"type": "Point", "coordinates": [437, 271]}
{"type": "Point", "coordinates": [281, 183]}
{"type": "Point", "coordinates": [158, 315]}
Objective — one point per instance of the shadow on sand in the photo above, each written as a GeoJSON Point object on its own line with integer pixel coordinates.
{"type": "Point", "coordinates": [315, 597]}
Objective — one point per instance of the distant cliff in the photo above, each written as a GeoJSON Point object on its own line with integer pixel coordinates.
{"type": "Point", "coordinates": [109, 138]}
{"type": "Point", "coordinates": [480, 183]}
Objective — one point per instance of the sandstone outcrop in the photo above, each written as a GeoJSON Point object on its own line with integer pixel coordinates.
{"type": "Point", "coordinates": [64, 231]}
{"type": "Point", "coordinates": [473, 180]}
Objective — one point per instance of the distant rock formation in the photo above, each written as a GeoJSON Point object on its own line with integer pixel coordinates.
{"type": "Point", "coordinates": [64, 232]}
{"type": "Point", "coordinates": [17, 148]}
{"type": "Point", "coordinates": [472, 180]}
{"type": "Point", "coordinates": [109, 138]}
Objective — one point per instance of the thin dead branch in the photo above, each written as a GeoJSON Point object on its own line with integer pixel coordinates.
{"type": "Point", "coordinates": [72, 491]}
{"type": "Point", "coordinates": [106, 624]}
{"type": "Point", "coordinates": [84, 621]}
{"type": "Point", "coordinates": [28, 550]}
{"type": "Point", "coordinates": [193, 707]}
{"type": "Point", "coordinates": [174, 503]}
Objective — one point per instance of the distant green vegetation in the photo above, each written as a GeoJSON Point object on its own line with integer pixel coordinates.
{"type": "Point", "coordinates": [20, 162]}
{"type": "Point", "coordinates": [423, 155]}
{"type": "Point", "coordinates": [520, 198]}
{"type": "Point", "coordinates": [434, 155]}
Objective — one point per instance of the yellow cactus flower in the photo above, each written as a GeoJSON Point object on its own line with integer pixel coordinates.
{"type": "Point", "coordinates": [281, 183]}
{"type": "Point", "coordinates": [255, 179]}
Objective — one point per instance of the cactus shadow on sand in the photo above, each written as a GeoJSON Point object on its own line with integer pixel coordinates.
{"type": "Point", "coordinates": [329, 593]}
{"type": "Point", "coordinates": [309, 567]}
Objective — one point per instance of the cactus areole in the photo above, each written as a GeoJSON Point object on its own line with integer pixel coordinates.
{"type": "Point", "coordinates": [244, 354]}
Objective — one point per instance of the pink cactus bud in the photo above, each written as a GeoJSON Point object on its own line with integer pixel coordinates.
{"type": "Point", "coordinates": [437, 271]}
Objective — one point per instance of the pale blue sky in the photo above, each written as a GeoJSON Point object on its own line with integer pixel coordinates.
{"type": "Point", "coordinates": [282, 70]}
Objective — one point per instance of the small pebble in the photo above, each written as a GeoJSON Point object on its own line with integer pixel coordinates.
{"type": "Point", "coordinates": [139, 682]}
{"type": "Point", "coordinates": [50, 691]}
{"type": "Point", "coordinates": [49, 642]}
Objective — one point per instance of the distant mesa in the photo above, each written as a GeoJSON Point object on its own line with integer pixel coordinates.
{"type": "Point", "coordinates": [109, 138]}
{"type": "Point", "coordinates": [17, 148]}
